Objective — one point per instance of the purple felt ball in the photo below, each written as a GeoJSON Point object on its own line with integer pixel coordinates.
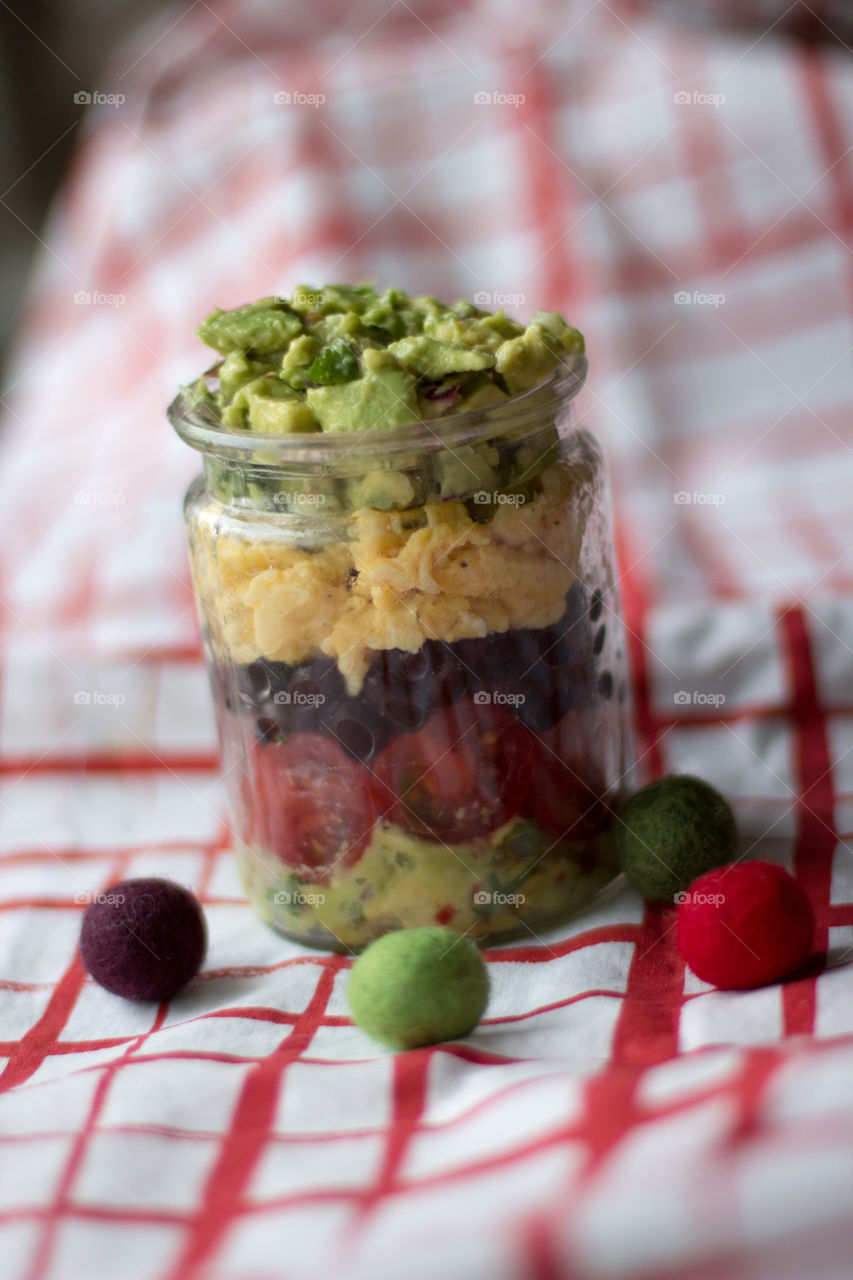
{"type": "Point", "coordinates": [143, 939]}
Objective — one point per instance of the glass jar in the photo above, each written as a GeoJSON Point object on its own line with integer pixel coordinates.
{"type": "Point", "coordinates": [416, 655]}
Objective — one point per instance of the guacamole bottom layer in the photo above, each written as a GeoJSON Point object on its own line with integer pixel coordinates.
{"type": "Point", "coordinates": [481, 888]}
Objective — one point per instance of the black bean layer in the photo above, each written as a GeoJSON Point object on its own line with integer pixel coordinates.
{"type": "Point", "coordinates": [539, 672]}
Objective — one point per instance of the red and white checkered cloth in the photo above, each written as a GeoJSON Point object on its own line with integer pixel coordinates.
{"type": "Point", "coordinates": [687, 199]}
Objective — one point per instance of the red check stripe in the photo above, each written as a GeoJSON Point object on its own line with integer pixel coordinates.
{"type": "Point", "coordinates": [524, 1150]}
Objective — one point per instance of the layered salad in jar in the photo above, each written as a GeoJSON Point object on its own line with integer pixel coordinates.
{"type": "Point", "coordinates": [401, 550]}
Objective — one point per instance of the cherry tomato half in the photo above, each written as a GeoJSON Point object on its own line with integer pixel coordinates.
{"type": "Point", "coordinates": [310, 804]}
{"type": "Point", "coordinates": [462, 775]}
{"type": "Point", "coordinates": [567, 798]}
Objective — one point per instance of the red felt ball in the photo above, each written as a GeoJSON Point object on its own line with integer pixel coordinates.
{"type": "Point", "coordinates": [143, 939]}
{"type": "Point", "coordinates": [744, 925]}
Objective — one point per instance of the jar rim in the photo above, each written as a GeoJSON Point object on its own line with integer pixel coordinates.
{"type": "Point", "coordinates": [201, 428]}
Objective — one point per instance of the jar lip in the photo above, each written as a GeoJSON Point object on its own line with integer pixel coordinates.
{"type": "Point", "coordinates": [201, 429]}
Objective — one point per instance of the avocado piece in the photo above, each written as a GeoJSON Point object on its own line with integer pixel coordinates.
{"type": "Point", "coordinates": [300, 353]}
{"type": "Point", "coordinates": [429, 358]}
{"type": "Point", "coordinates": [524, 362]}
{"type": "Point", "coordinates": [382, 398]}
{"type": "Point", "coordinates": [375, 359]}
{"type": "Point", "coordinates": [237, 370]}
{"type": "Point", "coordinates": [484, 332]}
{"type": "Point", "coordinates": [346, 326]}
{"type": "Point", "coordinates": [427, 305]}
{"type": "Point", "coordinates": [383, 490]}
{"type": "Point", "coordinates": [481, 396]}
{"type": "Point", "coordinates": [383, 322]}
{"type": "Point", "coordinates": [262, 327]}
{"type": "Point", "coordinates": [308, 299]}
{"type": "Point", "coordinates": [468, 469]}
{"type": "Point", "coordinates": [267, 404]}
{"type": "Point", "coordinates": [280, 417]}
{"type": "Point", "coordinates": [534, 456]}
{"type": "Point", "coordinates": [570, 339]}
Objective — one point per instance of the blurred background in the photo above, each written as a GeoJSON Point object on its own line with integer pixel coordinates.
{"type": "Point", "coordinates": [55, 50]}
{"type": "Point", "coordinates": [675, 178]}
{"type": "Point", "coordinates": [49, 51]}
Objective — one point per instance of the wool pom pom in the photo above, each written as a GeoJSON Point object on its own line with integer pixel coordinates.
{"type": "Point", "coordinates": [672, 831]}
{"type": "Point", "coordinates": [744, 926]}
{"type": "Point", "coordinates": [143, 939]}
{"type": "Point", "coordinates": [418, 986]}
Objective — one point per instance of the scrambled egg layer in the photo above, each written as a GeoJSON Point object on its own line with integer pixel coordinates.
{"type": "Point", "coordinates": [391, 585]}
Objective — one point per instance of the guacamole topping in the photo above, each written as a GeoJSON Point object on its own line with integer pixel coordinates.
{"type": "Point", "coordinates": [346, 358]}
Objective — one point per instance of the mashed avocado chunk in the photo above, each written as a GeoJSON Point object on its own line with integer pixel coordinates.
{"type": "Point", "coordinates": [381, 397]}
{"type": "Point", "coordinates": [347, 358]}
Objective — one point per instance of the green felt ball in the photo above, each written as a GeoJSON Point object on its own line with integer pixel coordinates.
{"type": "Point", "coordinates": [418, 986]}
{"type": "Point", "coordinates": [672, 831]}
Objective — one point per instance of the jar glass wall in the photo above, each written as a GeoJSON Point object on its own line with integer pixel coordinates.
{"type": "Point", "coordinates": [416, 655]}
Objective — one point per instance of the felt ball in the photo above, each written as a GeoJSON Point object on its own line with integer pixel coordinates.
{"type": "Point", "coordinates": [143, 939]}
{"type": "Point", "coordinates": [418, 986]}
{"type": "Point", "coordinates": [744, 926]}
{"type": "Point", "coordinates": [672, 831]}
